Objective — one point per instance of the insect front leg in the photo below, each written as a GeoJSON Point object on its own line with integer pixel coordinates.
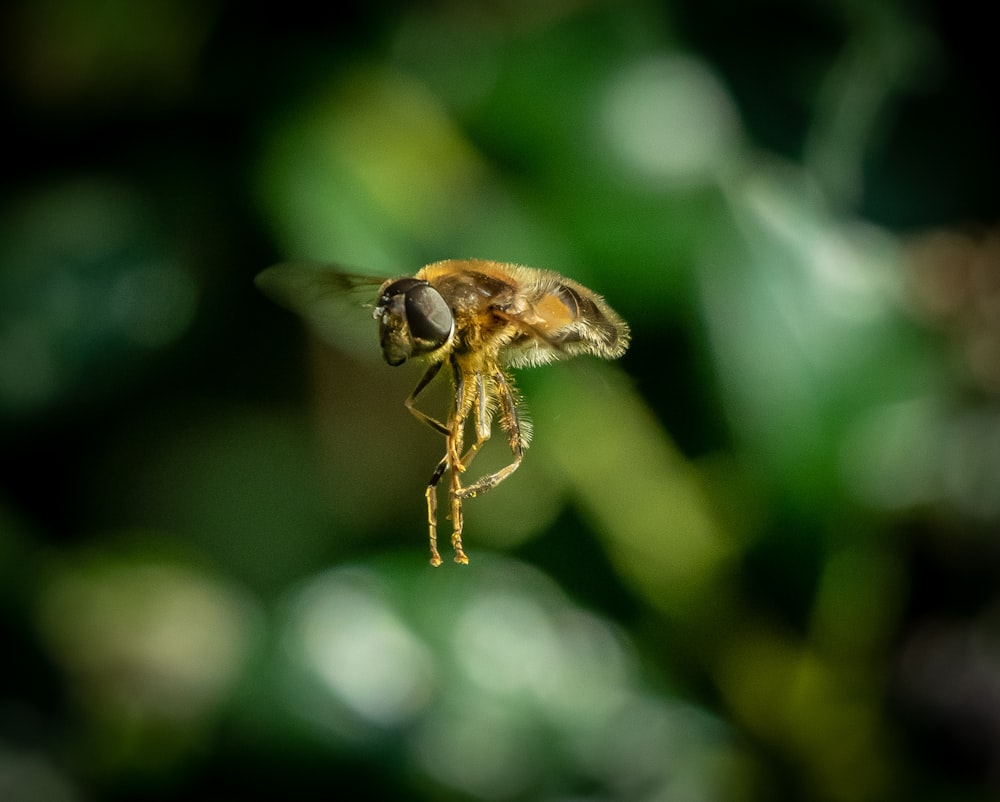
{"type": "Point", "coordinates": [420, 415]}
{"type": "Point", "coordinates": [511, 422]}
{"type": "Point", "coordinates": [446, 462]}
{"type": "Point", "coordinates": [452, 461]}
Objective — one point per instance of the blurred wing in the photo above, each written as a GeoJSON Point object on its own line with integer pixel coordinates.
{"type": "Point", "coordinates": [330, 300]}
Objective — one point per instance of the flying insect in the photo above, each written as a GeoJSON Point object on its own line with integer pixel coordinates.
{"type": "Point", "coordinates": [474, 319]}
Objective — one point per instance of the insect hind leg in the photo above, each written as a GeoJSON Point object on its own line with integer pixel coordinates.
{"type": "Point", "coordinates": [490, 481]}
{"type": "Point", "coordinates": [511, 422]}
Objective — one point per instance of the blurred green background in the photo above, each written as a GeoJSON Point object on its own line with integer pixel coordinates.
{"type": "Point", "coordinates": [755, 559]}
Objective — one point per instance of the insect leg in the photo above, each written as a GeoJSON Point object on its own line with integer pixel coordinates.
{"type": "Point", "coordinates": [511, 423]}
{"type": "Point", "coordinates": [420, 415]}
{"type": "Point", "coordinates": [482, 422]}
{"type": "Point", "coordinates": [431, 495]}
{"type": "Point", "coordinates": [450, 462]}
{"type": "Point", "coordinates": [453, 459]}
{"type": "Point", "coordinates": [457, 521]}
{"type": "Point", "coordinates": [431, 492]}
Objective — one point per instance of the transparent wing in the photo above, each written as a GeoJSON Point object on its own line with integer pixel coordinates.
{"type": "Point", "coordinates": [332, 301]}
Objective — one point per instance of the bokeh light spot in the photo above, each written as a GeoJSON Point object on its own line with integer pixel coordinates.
{"type": "Point", "coordinates": [669, 118]}
{"type": "Point", "coordinates": [364, 654]}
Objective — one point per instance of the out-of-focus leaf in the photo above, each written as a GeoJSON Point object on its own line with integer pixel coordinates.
{"type": "Point", "coordinates": [88, 288]}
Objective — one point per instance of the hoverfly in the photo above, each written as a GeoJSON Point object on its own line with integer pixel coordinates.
{"type": "Point", "coordinates": [474, 319]}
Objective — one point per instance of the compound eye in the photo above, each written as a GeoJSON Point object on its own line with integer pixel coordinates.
{"type": "Point", "coordinates": [429, 317]}
{"type": "Point", "coordinates": [398, 287]}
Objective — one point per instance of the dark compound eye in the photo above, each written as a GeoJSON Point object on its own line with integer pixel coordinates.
{"type": "Point", "coordinates": [413, 320]}
{"type": "Point", "coordinates": [428, 316]}
{"type": "Point", "coordinates": [398, 287]}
